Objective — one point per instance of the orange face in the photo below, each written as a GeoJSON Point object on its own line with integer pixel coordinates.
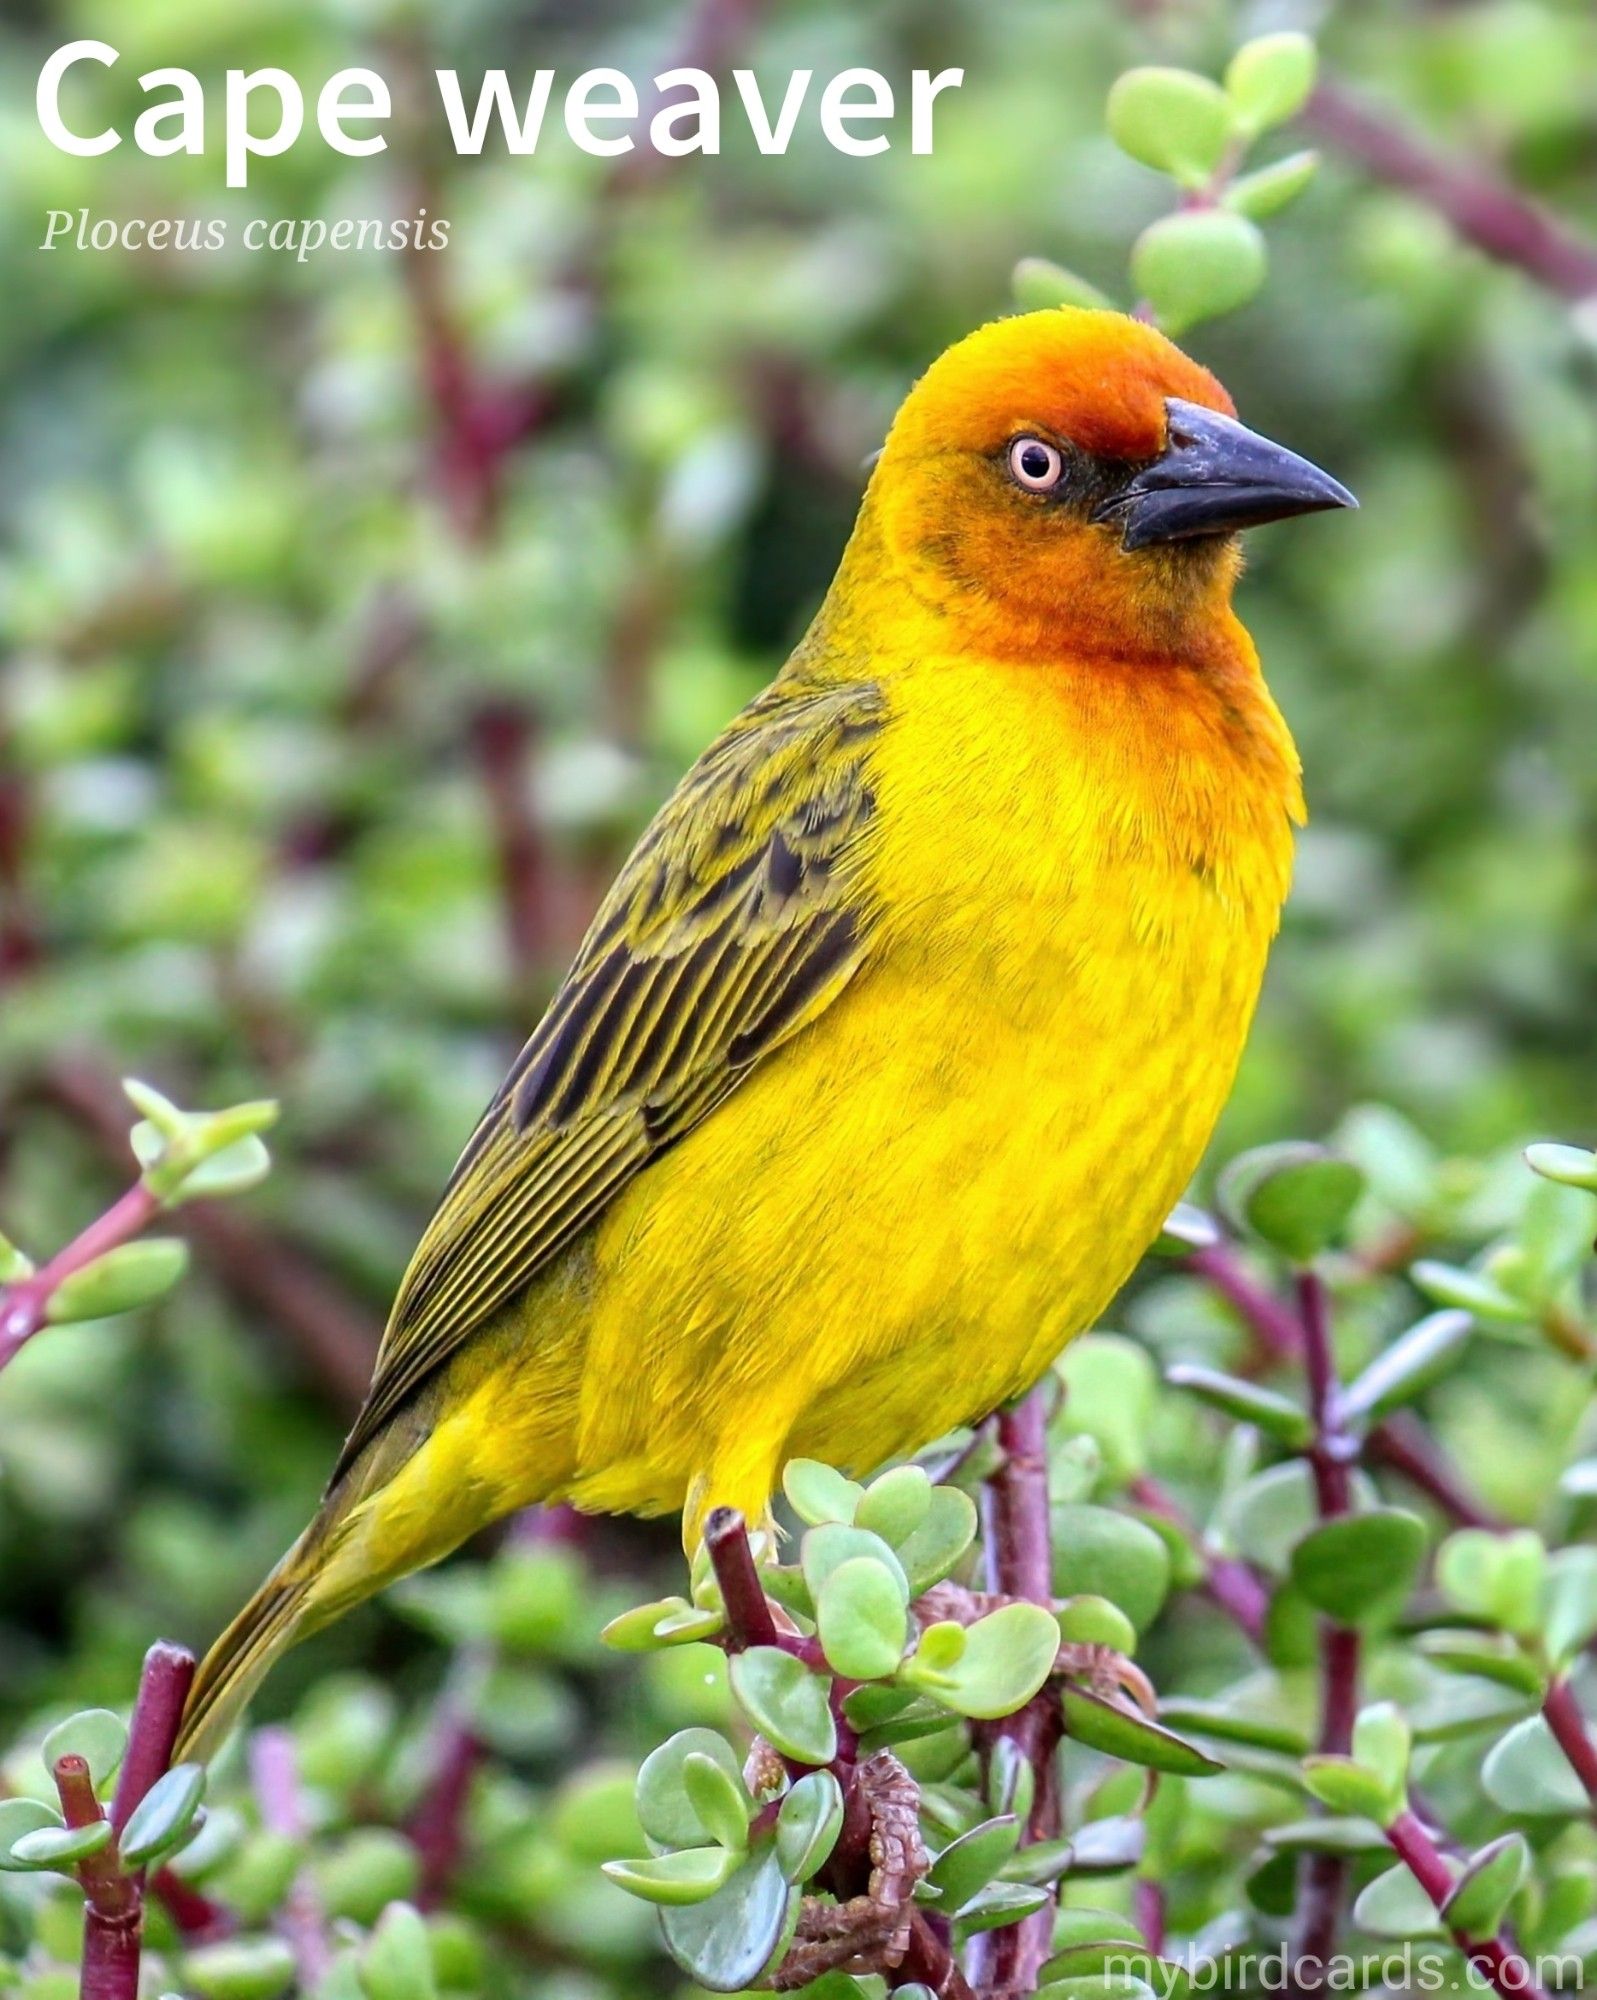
{"type": "Point", "coordinates": [1069, 480]}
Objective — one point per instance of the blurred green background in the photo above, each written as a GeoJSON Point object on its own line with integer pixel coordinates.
{"type": "Point", "coordinates": [355, 612]}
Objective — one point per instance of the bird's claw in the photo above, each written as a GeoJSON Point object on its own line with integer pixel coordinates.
{"type": "Point", "coordinates": [867, 1933]}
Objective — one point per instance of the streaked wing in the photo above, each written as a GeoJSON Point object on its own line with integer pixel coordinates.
{"type": "Point", "coordinates": [732, 924]}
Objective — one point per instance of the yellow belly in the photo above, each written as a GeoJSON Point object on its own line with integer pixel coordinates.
{"type": "Point", "coordinates": [901, 1218]}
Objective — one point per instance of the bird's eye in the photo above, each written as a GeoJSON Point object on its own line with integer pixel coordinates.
{"type": "Point", "coordinates": [1034, 464]}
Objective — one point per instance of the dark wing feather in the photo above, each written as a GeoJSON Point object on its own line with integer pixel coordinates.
{"type": "Point", "coordinates": [731, 925]}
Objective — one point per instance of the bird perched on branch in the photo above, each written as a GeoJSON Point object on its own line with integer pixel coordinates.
{"type": "Point", "coordinates": [906, 1022]}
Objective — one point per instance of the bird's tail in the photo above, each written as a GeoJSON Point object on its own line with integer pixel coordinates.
{"type": "Point", "coordinates": [285, 1608]}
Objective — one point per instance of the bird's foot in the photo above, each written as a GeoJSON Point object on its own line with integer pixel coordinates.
{"type": "Point", "coordinates": [867, 1933]}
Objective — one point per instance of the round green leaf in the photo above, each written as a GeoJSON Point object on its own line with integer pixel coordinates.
{"type": "Point", "coordinates": [1172, 120]}
{"type": "Point", "coordinates": [669, 1621]}
{"type": "Point", "coordinates": [1497, 1578]}
{"type": "Point", "coordinates": [970, 1862]}
{"type": "Point", "coordinates": [1249, 1402]}
{"type": "Point", "coordinates": [1526, 1772]}
{"type": "Point", "coordinates": [787, 1703]}
{"type": "Point", "coordinates": [59, 1847]}
{"type": "Point", "coordinates": [720, 1800]}
{"type": "Point", "coordinates": [1006, 1658]}
{"type": "Point", "coordinates": [896, 1504]}
{"type": "Point", "coordinates": [1037, 284]}
{"type": "Point", "coordinates": [240, 1969]}
{"type": "Point", "coordinates": [1094, 1621]}
{"type": "Point", "coordinates": [129, 1276]}
{"type": "Point", "coordinates": [1294, 1196]}
{"type": "Point", "coordinates": [1360, 1568]}
{"type": "Point", "coordinates": [1408, 1367]}
{"type": "Point", "coordinates": [726, 1942]}
{"type": "Point", "coordinates": [1327, 1836]}
{"type": "Point", "coordinates": [1382, 1741]}
{"type": "Point", "coordinates": [1395, 1906]}
{"type": "Point", "coordinates": [1260, 195]}
{"type": "Point", "coordinates": [817, 1494]}
{"type": "Point", "coordinates": [861, 1619]}
{"type": "Point", "coordinates": [19, 1817]}
{"type": "Point", "coordinates": [807, 1825]}
{"type": "Point", "coordinates": [1569, 1603]}
{"type": "Point", "coordinates": [94, 1734]}
{"type": "Point", "coordinates": [1198, 264]}
{"type": "Point", "coordinates": [933, 1550]}
{"type": "Point", "coordinates": [1571, 1166]}
{"type": "Point", "coordinates": [1099, 1552]}
{"type": "Point", "coordinates": [1111, 1385]}
{"type": "Point", "coordinates": [829, 1546]}
{"type": "Point", "coordinates": [396, 1962]}
{"type": "Point", "coordinates": [1123, 1733]}
{"type": "Point", "coordinates": [1000, 1903]}
{"type": "Point", "coordinates": [1489, 1883]}
{"type": "Point", "coordinates": [665, 1812]}
{"type": "Point", "coordinates": [1268, 80]}
{"type": "Point", "coordinates": [686, 1875]}
{"type": "Point", "coordinates": [166, 1812]}
{"type": "Point", "coordinates": [1347, 1788]}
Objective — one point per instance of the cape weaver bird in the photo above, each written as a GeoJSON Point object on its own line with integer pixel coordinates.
{"type": "Point", "coordinates": [906, 1022]}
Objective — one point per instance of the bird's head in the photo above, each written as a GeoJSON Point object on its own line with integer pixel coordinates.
{"type": "Point", "coordinates": [1070, 480]}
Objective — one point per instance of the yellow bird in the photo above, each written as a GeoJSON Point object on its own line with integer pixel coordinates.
{"type": "Point", "coordinates": [906, 1022]}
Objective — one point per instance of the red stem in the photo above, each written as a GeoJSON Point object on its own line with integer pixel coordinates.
{"type": "Point", "coordinates": [1568, 1725]}
{"type": "Point", "coordinates": [24, 1305]}
{"type": "Point", "coordinates": [1323, 1878]}
{"type": "Point", "coordinates": [1230, 1583]}
{"type": "Point", "coordinates": [1020, 1564]}
{"type": "Point", "coordinates": [1493, 1956]}
{"type": "Point", "coordinates": [748, 1615]}
{"type": "Point", "coordinates": [1403, 1444]}
{"type": "Point", "coordinates": [1483, 209]}
{"type": "Point", "coordinates": [1266, 1316]}
{"type": "Point", "coordinates": [157, 1712]}
{"type": "Point", "coordinates": [113, 1916]}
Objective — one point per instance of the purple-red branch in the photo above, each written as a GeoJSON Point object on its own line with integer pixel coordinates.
{"type": "Point", "coordinates": [113, 1896]}
{"type": "Point", "coordinates": [1482, 208]}
{"type": "Point", "coordinates": [1493, 1956]}
{"type": "Point", "coordinates": [25, 1305]}
{"type": "Point", "coordinates": [1323, 1878]}
{"type": "Point", "coordinates": [1564, 1719]}
{"type": "Point", "coordinates": [1266, 1317]}
{"type": "Point", "coordinates": [1020, 1564]}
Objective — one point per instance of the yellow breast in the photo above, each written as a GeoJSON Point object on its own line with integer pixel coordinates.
{"type": "Point", "coordinates": [899, 1221]}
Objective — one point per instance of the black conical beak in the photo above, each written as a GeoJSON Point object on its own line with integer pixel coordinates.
{"type": "Point", "coordinates": [1214, 478]}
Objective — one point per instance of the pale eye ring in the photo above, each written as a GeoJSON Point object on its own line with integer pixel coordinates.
{"type": "Point", "coordinates": [1035, 464]}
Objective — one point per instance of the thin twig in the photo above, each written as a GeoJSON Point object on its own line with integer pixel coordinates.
{"type": "Point", "coordinates": [1564, 1719]}
{"type": "Point", "coordinates": [335, 1337]}
{"type": "Point", "coordinates": [1323, 1877]}
{"type": "Point", "coordinates": [1495, 1957]}
{"type": "Point", "coordinates": [1404, 1445]}
{"type": "Point", "coordinates": [1264, 1314]}
{"type": "Point", "coordinates": [25, 1306]}
{"type": "Point", "coordinates": [1020, 1565]}
{"type": "Point", "coordinates": [1230, 1584]}
{"type": "Point", "coordinates": [1485, 210]}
